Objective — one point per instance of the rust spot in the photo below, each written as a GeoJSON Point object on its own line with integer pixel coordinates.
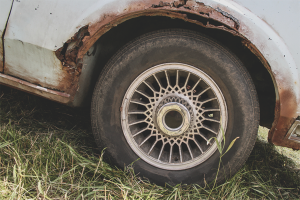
{"type": "Point", "coordinates": [258, 54]}
{"type": "Point", "coordinates": [72, 52]}
{"type": "Point", "coordinates": [285, 108]}
{"type": "Point", "coordinates": [34, 89]}
{"type": "Point", "coordinates": [288, 99]}
{"type": "Point", "coordinates": [178, 4]}
{"type": "Point", "coordinates": [71, 64]}
{"type": "Point", "coordinates": [68, 53]}
{"type": "Point", "coordinates": [173, 9]}
{"type": "Point", "coordinates": [237, 23]}
{"type": "Point", "coordinates": [1, 64]}
{"type": "Point", "coordinates": [1, 56]}
{"type": "Point", "coordinates": [285, 116]}
{"type": "Point", "coordinates": [277, 135]}
{"type": "Point", "coordinates": [160, 4]}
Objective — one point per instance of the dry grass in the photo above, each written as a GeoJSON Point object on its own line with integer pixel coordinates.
{"type": "Point", "coordinates": [47, 151]}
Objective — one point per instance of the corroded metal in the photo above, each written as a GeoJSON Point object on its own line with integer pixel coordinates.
{"type": "Point", "coordinates": [294, 132]}
{"type": "Point", "coordinates": [71, 54]}
{"type": "Point", "coordinates": [172, 9]}
{"type": "Point", "coordinates": [229, 16]}
{"type": "Point", "coordinates": [34, 89]}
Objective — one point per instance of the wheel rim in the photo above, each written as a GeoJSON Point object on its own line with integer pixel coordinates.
{"type": "Point", "coordinates": [170, 113]}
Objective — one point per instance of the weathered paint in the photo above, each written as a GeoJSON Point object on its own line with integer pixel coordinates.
{"type": "Point", "coordinates": [100, 16]}
{"type": "Point", "coordinates": [34, 89]}
{"type": "Point", "coordinates": [173, 9]}
{"type": "Point", "coordinates": [4, 14]}
{"type": "Point", "coordinates": [33, 69]}
{"type": "Point", "coordinates": [287, 92]}
{"type": "Point", "coordinates": [294, 132]}
{"type": "Point", "coordinates": [283, 16]}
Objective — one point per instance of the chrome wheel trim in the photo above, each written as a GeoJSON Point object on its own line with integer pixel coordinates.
{"type": "Point", "coordinates": [161, 122]}
{"type": "Point", "coordinates": [192, 146]}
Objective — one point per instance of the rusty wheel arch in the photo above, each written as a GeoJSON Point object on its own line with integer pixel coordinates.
{"type": "Point", "coordinates": [72, 53]}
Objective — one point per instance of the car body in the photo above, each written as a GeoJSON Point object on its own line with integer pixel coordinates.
{"type": "Point", "coordinates": [56, 49]}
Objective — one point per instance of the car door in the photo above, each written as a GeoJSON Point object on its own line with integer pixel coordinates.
{"type": "Point", "coordinates": [4, 14]}
{"type": "Point", "coordinates": [35, 31]}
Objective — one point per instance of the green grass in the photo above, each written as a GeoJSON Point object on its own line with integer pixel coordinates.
{"type": "Point", "coordinates": [47, 151]}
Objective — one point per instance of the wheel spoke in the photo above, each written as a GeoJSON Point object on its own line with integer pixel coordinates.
{"type": "Point", "coordinates": [149, 86]}
{"type": "Point", "coordinates": [205, 90]}
{"type": "Point", "coordinates": [171, 151]}
{"type": "Point", "coordinates": [212, 120]}
{"type": "Point", "coordinates": [211, 110]}
{"type": "Point", "coordinates": [135, 101]}
{"type": "Point", "coordinates": [195, 141]}
{"type": "Point", "coordinates": [177, 78]}
{"type": "Point", "coordinates": [142, 93]}
{"type": "Point", "coordinates": [187, 80]}
{"type": "Point", "coordinates": [167, 77]}
{"type": "Point", "coordinates": [188, 146]}
{"type": "Point", "coordinates": [152, 147]}
{"type": "Point", "coordinates": [137, 122]}
{"type": "Point", "coordinates": [210, 130]}
{"type": "Point", "coordinates": [208, 100]}
{"type": "Point", "coordinates": [136, 112]}
{"type": "Point", "coordinates": [180, 153]}
{"type": "Point", "coordinates": [161, 150]}
{"type": "Point", "coordinates": [196, 84]}
{"type": "Point", "coordinates": [145, 140]}
{"type": "Point", "coordinates": [158, 82]}
{"type": "Point", "coordinates": [202, 135]}
{"type": "Point", "coordinates": [139, 132]}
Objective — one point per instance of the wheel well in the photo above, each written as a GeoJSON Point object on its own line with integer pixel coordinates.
{"type": "Point", "coordinates": [118, 36]}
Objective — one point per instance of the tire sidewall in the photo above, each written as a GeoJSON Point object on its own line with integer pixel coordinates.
{"type": "Point", "coordinates": [176, 47]}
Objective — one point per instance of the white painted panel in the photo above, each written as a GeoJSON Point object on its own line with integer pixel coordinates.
{"type": "Point", "coordinates": [33, 63]}
{"type": "Point", "coordinates": [50, 23]}
{"type": "Point", "coordinates": [5, 6]}
{"type": "Point", "coordinates": [283, 16]}
{"type": "Point", "coordinates": [37, 28]}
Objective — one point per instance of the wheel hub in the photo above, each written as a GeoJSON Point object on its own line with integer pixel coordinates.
{"type": "Point", "coordinates": [173, 119]}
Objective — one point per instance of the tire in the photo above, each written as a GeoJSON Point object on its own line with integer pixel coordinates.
{"type": "Point", "coordinates": [169, 93]}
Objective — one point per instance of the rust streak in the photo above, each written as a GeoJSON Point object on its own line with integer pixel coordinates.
{"type": "Point", "coordinates": [34, 89]}
{"type": "Point", "coordinates": [174, 9]}
{"type": "Point", "coordinates": [284, 118]}
{"type": "Point", "coordinates": [258, 54]}
{"type": "Point", "coordinates": [285, 115]}
{"type": "Point", "coordinates": [72, 52]}
{"type": "Point", "coordinates": [1, 63]}
{"type": "Point", "coordinates": [71, 64]}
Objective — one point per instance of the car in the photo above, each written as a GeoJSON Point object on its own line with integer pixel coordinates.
{"type": "Point", "coordinates": [173, 86]}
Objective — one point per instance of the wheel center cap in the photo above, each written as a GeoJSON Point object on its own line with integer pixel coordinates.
{"type": "Point", "coordinates": [173, 119]}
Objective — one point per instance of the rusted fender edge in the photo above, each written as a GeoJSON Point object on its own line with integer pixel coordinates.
{"type": "Point", "coordinates": [34, 89]}
{"type": "Point", "coordinates": [71, 54]}
{"type": "Point", "coordinates": [285, 109]}
{"type": "Point", "coordinates": [281, 125]}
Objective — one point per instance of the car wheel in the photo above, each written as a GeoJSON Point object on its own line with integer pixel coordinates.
{"type": "Point", "coordinates": [163, 97]}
